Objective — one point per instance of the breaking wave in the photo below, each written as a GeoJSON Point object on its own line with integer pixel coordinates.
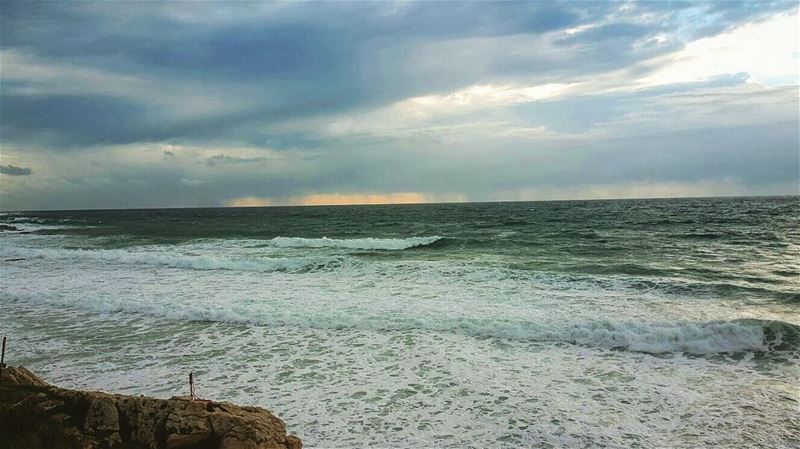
{"type": "Point", "coordinates": [700, 338]}
{"type": "Point", "coordinates": [694, 338]}
{"type": "Point", "coordinates": [363, 243]}
{"type": "Point", "coordinates": [197, 262]}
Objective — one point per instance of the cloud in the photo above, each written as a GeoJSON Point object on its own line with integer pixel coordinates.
{"type": "Point", "coordinates": [318, 199]}
{"type": "Point", "coordinates": [625, 32]}
{"type": "Point", "coordinates": [769, 52]}
{"type": "Point", "coordinates": [669, 189]}
{"type": "Point", "coordinates": [199, 105]}
{"type": "Point", "coordinates": [26, 74]}
{"type": "Point", "coordinates": [188, 182]}
{"type": "Point", "coordinates": [13, 170]}
{"type": "Point", "coordinates": [266, 64]}
{"type": "Point", "coordinates": [343, 198]}
{"type": "Point", "coordinates": [249, 201]}
{"type": "Point", "coordinates": [222, 159]}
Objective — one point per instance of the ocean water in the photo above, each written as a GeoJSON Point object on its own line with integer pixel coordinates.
{"type": "Point", "coordinates": [635, 323]}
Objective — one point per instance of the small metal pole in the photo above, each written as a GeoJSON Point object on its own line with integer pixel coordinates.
{"type": "Point", "coordinates": [191, 386]}
{"type": "Point", "coordinates": [3, 355]}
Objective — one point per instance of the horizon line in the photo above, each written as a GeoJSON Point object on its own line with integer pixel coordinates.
{"type": "Point", "coordinates": [3, 211]}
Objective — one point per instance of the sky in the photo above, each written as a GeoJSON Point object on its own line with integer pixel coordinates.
{"type": "Point", "coordinates": [201, 104]}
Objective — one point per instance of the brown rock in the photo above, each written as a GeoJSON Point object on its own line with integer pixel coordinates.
{"type": "Point", "coordinates": [108, 421]}
{"type": "Point", "coordinates": [19, 375]}
{"type": "Point", "coordinates": [102, 421]}
{"type": "Point", "coordinates": [187, 424]}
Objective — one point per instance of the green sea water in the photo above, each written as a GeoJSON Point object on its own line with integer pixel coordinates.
{"type": "Point", "coordinates": [630, 323]}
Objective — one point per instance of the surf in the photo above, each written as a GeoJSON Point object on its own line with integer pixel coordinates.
{"type": "Point", "coordinates": [168, 260]}
{"type": "Point", "coordinates": [689, 337]}
{"type": "Point", "coordinates": [367, 243]}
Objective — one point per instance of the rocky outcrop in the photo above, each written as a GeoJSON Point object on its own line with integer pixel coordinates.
{"type": "Point", "coordinates": [96, 420]}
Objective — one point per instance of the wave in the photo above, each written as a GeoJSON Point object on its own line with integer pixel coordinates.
{"type": "Point", "coordinates": [621, 268]}
{"type": "Point", "coordinates": [732, 288]}
{"type": "Point", "coordinates": [362, 243]}
{"type": "Point", "coordinates": [695, 338]}
{"type": "Point", "coordinates": [197, 262]}
{"type": "Point", "coordinates": [26, 227]}
{"type": "Point", "coordinates": [699, 338]}
{"type": "Point", "coordinates": [656, 338]}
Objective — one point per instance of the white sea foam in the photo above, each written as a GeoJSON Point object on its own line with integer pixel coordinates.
{"type": "Point", "coordinates": [694, 338]}
{"type": "Point", "coordinates": [197, 262]}
{"type": "Point", "coordinates": [660, 337]}
{"type": "Point", "coordinates": [343, 389]}
{"type": "Point", "coordinates": [306, 292]}
{"type": "Point", "coordinates": [363, 243]}
{"type": "Point", "coordinates": [15, 217]}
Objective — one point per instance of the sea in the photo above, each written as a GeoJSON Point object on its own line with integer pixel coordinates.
{"type": "Point", "coordinates": [651, 323]}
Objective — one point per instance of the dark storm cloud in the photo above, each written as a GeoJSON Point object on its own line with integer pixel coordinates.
{"type": "Point", "coordinates": [307, 59]}
{"type": "Point", "coordinates": [13, 170]}
{"type": "Point", "coordinates": [86, 80]}
{"type": "Point", "coordinates": [57, 121]}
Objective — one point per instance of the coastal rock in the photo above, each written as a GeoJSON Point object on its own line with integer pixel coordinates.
{"type": "Point", "coordinates": [20, 375]}
{"type": "Point", "coordinates": [188, 425]}
{"type": "Point", "coordinates": [102, 422]}
{"type": "Point", "coordinates": [96, 420]}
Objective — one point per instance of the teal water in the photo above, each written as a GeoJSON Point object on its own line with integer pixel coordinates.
{"type": "Point", "coordinates": [650, 323]}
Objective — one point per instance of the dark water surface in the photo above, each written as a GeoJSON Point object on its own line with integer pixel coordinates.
{"type": "Point", "coordinates": [668, 322]}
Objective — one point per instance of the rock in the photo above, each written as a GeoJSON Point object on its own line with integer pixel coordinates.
{"type": "Point", "coordinates": [188, 425]}
{"type": "Point", "coordinates": [20, 376]}
{"type": "Point", "coordinates": [97, 420]}
{"type": "Point", "coordinates": [139, 418]}
{"type": "Point", "coordinates": [102, 421]}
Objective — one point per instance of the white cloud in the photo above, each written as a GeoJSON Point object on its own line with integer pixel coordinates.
{"type": "Point", "coordinates": [485, 96]}
{"type": "Point", "coordinates": [419, 114]}
{"type": "Point", "coordinates": [767, 51]}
